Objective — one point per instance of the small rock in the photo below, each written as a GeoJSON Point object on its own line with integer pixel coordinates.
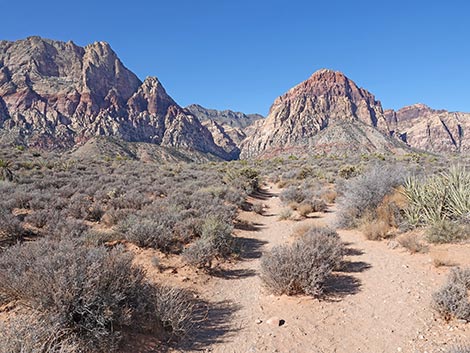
{"type": "Point", "coordinates": [258, 321]}
{"type": "Point", "coordinates": [393, 244]}
{"type": "Point", "coordinates": [275, 321]}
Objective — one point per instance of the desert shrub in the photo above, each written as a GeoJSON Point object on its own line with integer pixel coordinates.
{"type": "Point", "coordinates": [10, 227]}
{"type": "Point", "coordinates": [305, 209]}
{"type": "Point", "coordinates": [216, 242]}
{"type": "Point", "coordinates": [412, 243]}
{"type": "Point", "coordinates": [318, 205]}
{"type": "Point", "coordinates": [285, 214]}
{"type": "Point", "coordinates": [452, 300]}
{"type": "Point", "coordinates": [245, 178]}
{"type": "Point", "coordinates": [441, 197]}
{"type": "Point", "coordinates": [361, 195]}
{"type": "Point", "coordinates": [94, 213]}
{"type": "Point", "coordinates": [34, 335]}
{"type": "Point", "coordinates": [113, 216]}
{"type": "Point", "coordinates": [390, 210]}
{"type": "Point", "coordinates": [79, 206]}
{"type": "Point", "coordinates": [219, 234]}
{"type": "Point", "coordinates": [66, 228]}
{"type": "Point", "coordinates": [94, 294]}
{"type": "Point", "coordinates": [41, 218]}
{"type": "Point", "coordinates": [446, 231]}
{"type": "Point", "coordinates": [20, 199]}
{"type": "Point", "coordinates": [348, 171]}
{"type": "Point", "coordinates": [199, 254]}
{"type": "Point", "coordinates": [459, 349]}
{"type": "Point", "coordinates": [375, 230]}
{"type": "Point", "coordinates": [304, 266]}
{"type": "Point", "coordinates": [152, 233]}
{"type": "Point", "coordinates": [93, 237]}
{"type": "Point", "coordinates": [328, 195]}
{"type": "Point", "coordinates": [258, 208]}
{"type": "Point", "coordinates": [294, 194]}
{"type": "Point", "coordinates": [235, 196]}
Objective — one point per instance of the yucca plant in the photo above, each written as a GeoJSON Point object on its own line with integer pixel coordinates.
{"type": "Point", "coordinates": [438, 198]}
{"type": "Point", "coordinates": [458, 192]}
{"type": "Point", "coordinates": [5, 170]}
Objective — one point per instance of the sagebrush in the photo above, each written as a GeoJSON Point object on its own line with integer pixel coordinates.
{"type": "Point", "coordinates": [305, 265]}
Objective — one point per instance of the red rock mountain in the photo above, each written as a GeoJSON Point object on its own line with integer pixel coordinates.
{"type": "Point", "coordinates": [56, 94]}
{"type": "Point", "coordinates": [326, 113]}
{"type": "Point", "coordinates": [429, 129]}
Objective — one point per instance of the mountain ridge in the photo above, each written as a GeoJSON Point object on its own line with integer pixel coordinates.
{"type": "Point", "coordinates": [56, 94]}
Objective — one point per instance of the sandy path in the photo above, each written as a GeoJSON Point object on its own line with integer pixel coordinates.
{"type": "Point", "coordinates": [378, 303]}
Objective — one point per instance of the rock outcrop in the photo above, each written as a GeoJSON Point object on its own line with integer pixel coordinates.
{"type": "Point", "coordinates": [228, 128]}
{"type": "Point", "coordinates": [56, 94]}
{"type": "Point", "coordinates": [349, 117]}
{"type": "Point", "coordinates": [431, 130]}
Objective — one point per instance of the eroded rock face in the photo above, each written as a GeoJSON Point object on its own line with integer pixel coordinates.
{"type": "Point", "coordinates": [228, 128]}
{"type": "Point", "coordinates": [56, 94]}
{"type": "Point", "coordinates": [327, 98]}
{"type": "Point", "coordinates": [431, 130]}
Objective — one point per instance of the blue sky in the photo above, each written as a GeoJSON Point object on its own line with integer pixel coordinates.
{"type": "Point", "coordinates": [241, 55]}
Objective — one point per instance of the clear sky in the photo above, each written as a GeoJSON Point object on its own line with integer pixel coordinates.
{"type": "Point", "coordinates": [242, 54]}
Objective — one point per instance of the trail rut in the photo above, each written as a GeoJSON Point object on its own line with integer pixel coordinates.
{"type": "Point", "coordinates": [379, 302]}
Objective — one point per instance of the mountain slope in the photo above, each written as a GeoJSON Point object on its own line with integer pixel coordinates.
{"type": "Point", "coordinates": [56, 94]}
{"type": "Point", "coordinates": [327, 99]}
{"type": "Point", "coordinates": [228, 128]}
{"type": "Point", "coordinates": [429, 129]}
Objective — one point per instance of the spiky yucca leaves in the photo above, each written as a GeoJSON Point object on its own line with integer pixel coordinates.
{"type": "Point", "coordinates": [442, 197]}
{"type": "Point", "coordinates": [5, 170]}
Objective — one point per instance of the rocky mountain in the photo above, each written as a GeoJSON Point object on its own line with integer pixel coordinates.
{"type": "Point", "coordinates": [429, 129]}
{"type": "Point", "coordinates": [56, 94]}
{"type": "Point", "coordinates": [228, 128]}
{"type": "Point", "coordinates": [326, 113]}
{"type": "Point", "coordinates": [224, 117]}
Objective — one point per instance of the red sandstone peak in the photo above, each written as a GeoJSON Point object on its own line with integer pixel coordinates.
{"type": "Point", "coordinates": [326, 98]}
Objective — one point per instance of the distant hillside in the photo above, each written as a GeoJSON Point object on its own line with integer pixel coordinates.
{"type": "Point", "coordinates": [228, 128]}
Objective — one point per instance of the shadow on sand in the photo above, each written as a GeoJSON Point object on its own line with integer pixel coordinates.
{"type": "Point", "coordinates": [213, 325]}
{"type": "Point", "coordinates": [262, 194]}
{"type": "Point", "coordinates": [342, 283]}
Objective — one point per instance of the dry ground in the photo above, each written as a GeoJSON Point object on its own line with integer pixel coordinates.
{"type": "Point", "coordinates": [380, 302]}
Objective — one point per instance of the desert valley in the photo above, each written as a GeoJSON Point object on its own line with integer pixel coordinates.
{"type": "Point", "coordinates": [129, 223]}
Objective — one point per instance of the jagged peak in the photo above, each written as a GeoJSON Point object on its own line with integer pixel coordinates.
{"type": "Point", "coordinates": [417, 106]}
{"type": "Point", "coordinates": [325, 72]}
{"type": "Point", "coordinates": [152, 81]}
{"type": "Point", "coordinates": [325, 82]}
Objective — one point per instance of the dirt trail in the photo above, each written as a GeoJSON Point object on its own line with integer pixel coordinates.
{"type": "Point", "coordinates": [380, 302]}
